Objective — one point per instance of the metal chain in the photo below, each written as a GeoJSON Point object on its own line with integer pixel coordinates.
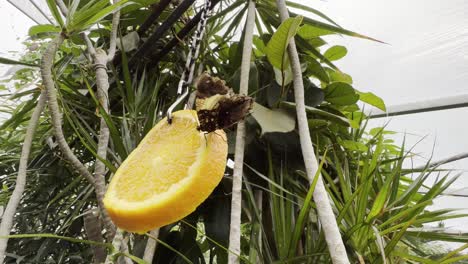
{"type": "Point", "coordinates": [187, 75]}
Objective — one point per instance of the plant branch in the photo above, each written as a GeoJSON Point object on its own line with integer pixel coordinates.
{"type": "Point", "coordinates": [151, 244]}
{"type": "Point", "coordinates": [46, 72]}
{"type": "Point", "coordinates": [113, 35]}
{"type": "Point", "coordinates": [100, 59]}
{"type": "Point", "coordinates": [118, 245]}
{"type": "Point", "coordinates": [236, 200]}
{"type": "Point", "coordinates": [324, 209]}
{"type": "Point", "coordinates": [89, 45]}
{"type": "Point", "coordinates": [102, 86]}
{"type": "Point", "coordinates": [8, 215]}
{"type": "Point", "coordinates": [92, 227]}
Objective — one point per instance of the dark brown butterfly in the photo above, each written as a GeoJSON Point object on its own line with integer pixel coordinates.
{"type": "Point", "coordinates": [208, 86]}
{"type": "Point", "coordinates": [230, 110]}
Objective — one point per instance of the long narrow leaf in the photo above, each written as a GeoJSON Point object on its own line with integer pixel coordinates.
{"type": "Point", "coordinates": [55, 12]}
{"type": "Point", "coordinates": [304, 212]}
{"type": "Point", "coordinates": [14, 62]}
{"type": "Point", "coordinates": [71, 239]}
{"type": "Point", "coordinates": [311, 10]}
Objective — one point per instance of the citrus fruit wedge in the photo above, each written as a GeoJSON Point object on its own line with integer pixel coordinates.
{"type": "Point", "coordinates": [172, 171]}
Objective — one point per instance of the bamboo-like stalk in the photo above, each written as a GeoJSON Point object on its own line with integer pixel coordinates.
{"type": "Point", "coordinates": [236, 200]}
{"type": "Point", "coordinates": [9, 213]}
{"type": "Point", "coordinates": [151, 244]}
{"type": "Point", "coordinates": [324, 209]}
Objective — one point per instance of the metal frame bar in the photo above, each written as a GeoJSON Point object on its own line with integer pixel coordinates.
{"type": "Point", "coordinates": [41, 11]}
{"type": "Point", "coordinates": [450, 102]}
{"type": "Point", "coordinates": [23, 11]}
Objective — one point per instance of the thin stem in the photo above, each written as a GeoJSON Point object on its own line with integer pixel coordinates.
{"type": "Point", "coordinates": [113, 35]}
{"type": "Point", "coordinates": [8, 215]}
{"type": "Point", "coordinates": [324, 209]}
{"type": "Point", "coordinates": [102, 85]}
{"type": "Point", "coordinates": [89, 45]}
{"type": "Point", "coordinates": [235, 232]}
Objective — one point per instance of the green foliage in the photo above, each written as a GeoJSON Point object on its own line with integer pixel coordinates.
{"type": "Point", "coordinates": [92, 13]}
{"type": "Point", "coordinates": [335, 53]}
{"type": "Point", "coordinates": [340, 94]}
{"type": "Point", "coordinates": [14, 62]}
{"type": "Point", "coordinates": [276, 50]}
{"type": "Point", "coordinates": [372, 99]}
{"type": "Point", "coordinates": [55, 12]}
{"type": "Point", "coordinates": [40, 29]}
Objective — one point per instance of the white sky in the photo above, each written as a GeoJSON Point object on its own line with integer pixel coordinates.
{"type": "Point", "coordinates": [427, 58]}
{"type": "Point", "coordinates": [14, 26]}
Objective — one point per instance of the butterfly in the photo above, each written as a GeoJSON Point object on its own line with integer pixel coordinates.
{"type": "Point", "coordinates": [208, 86]}
{"type": "Point", "coordinates": [230, 110]}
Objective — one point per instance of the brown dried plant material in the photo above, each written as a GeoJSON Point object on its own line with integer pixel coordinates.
{"type": "Point", "coordinates": [217, 105]}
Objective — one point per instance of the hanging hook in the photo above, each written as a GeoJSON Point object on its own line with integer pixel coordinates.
{"type": "Point", "coordinates": [176, 103]}
{"type": "Point", "coordinates": [187, 74]}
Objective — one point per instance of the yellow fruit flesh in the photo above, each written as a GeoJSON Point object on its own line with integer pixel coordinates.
{"type": "Point", "coordinates": [167, 176]}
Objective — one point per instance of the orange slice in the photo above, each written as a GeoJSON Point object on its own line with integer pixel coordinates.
{"type": "Point", "coordinates": [172, 171]}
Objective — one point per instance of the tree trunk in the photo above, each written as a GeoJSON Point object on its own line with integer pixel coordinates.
{"type": "Point", "coordinates": [324, 209]}
{"type": "Point", "coordinates": [236, 200]}
{"type": "Point", "coordinates": [8, 215]}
